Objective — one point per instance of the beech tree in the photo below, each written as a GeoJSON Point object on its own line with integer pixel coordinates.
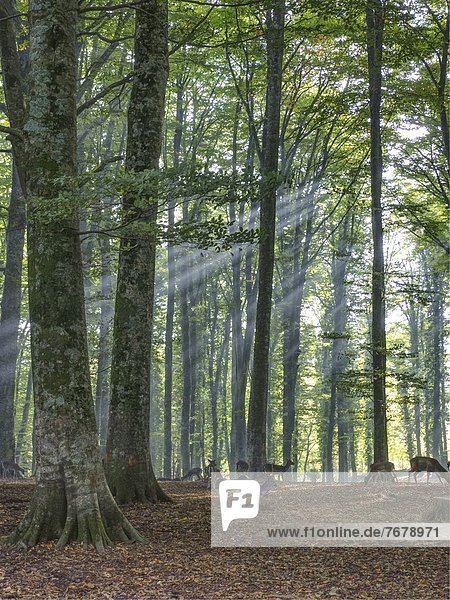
{"type": "Point", "coordinates": [375, 25]}
{"type": "Point", "coordinates": [256, 440]}
{"type": "Point", "coordinates": [127, 461]}
{"type": "Point", "coordinates": [71, 500]}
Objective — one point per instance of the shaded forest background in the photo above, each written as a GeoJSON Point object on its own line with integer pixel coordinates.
{"type": "Point", "coordinates": [320, 401]}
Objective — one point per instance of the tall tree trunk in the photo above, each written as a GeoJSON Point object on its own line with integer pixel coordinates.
{"type": "Point", "coordinates": [25, 417]}
{"type": "Point", "coordinates": [218, 359]}
{"type": "Point", "coordinates": [238, 378]}
{"type": "Point", "coordinates": [102, 391]}
{"type": "Point", "coordinates": [324, 367]}
{"type": "Point", "coordinates": [71, 500]}
{"type": "Point", "coordinates": [426, 351]}
{"type": "Point", "coordinates": [102, 388]}
{"type": "Point", "coordinates": [223, 392]}
{"type": "Point", "coordinates": [186, 364]}
{"type": "Point", "coordinates": [351, 445]}
{"type": "Point", "coordinates": [193, 358]}
{"type": "Point", "coordinates": [437, 368]}
{"type": "Point", "coordinates": [256, 441]}
{"type": "Point", "coordinates": [375, 26]}
{"type": "Point", "coordinates": [340, 261]}
{"type": "Point", "coordinates": [127, 459]}
{"type": "Point", "coordinates": [168, 351]}
{"type": "Point", "coordinates": [330, 405]}
{"type": "Point", "coordinates": [10, 308]}
{"type": "Point", "coordinates": [293, 301]}
{"type": "Point", "coordinates": [271, 445]}
{"type": "Point", "coordinates": [408, 423]}
{"type": "Point", "coordinates": [171, 275]}
{"type": "Point", "coordinates": [414, 341]}
{"type": "Point", "coordinates": [10, 317]}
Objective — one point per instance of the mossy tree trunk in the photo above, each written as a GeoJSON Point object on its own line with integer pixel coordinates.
{"type": "Point", "coordinates": [71, 501]}
{"type": "Point", "coordinates": [127, 460]}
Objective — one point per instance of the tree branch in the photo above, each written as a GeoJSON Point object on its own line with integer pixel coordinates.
{"type": "Point", "coordinates": [188, 37]}
{"type": "Point", "coordinates": [103, 93]}
{"type": "Point", "coordinates": [12, 131]}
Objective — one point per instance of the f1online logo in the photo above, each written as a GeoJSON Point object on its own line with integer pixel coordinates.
{"type": "Point", "coordinates": [239, 499]}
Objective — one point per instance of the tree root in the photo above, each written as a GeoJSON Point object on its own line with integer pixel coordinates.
{"type": "Point", "coordinates": [90, 519]}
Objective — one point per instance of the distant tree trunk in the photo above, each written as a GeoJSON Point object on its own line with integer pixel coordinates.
{"type": "Point", "coordinates": [194, 362]}
{"type": "Point", "coordinates": [71, 500]}
{"type": "Point", "coordinates": [102, 391]}
{"type": "Point", "coordinates": [127, 460]}
{"type": "Point", "coordinates": [292, 309]}
{"type": "Point", "coordinates": [184, 303]}
{"type": "Point", "coordinates": [340, 262]}
{"type": "Point", "coordinates": [186, 400]}
{"type": "Point", "coordinates": [238, 367]}
{"type": "Point", "coordinates": [33, 444]}
{"type": "Point", "coordinates": [25, 417]}
{"type": "Point", "coordinates": [270, 396]}
{"type": "Point", "coordinates": [425, 343]}
{"type": "Point", "coordinates": [168, 381]}
{"type": "Point", "coordinates": [330, 424]}
{"type": "Point", "coordinates": [171, 275]}
{"type": "Point", "coordinates": [10, 317]}
{"type": "Point", "coordinates": [223, 392]}
{"type": "Point", "coordinates": [414, 345]}
{"type": "Point", "coordinates": [186, 365]}
{"type": "Point", "coordinates": [375, 27]}
{"type": "Point", "coordinates": [154, 420]}
{"type": "Point", "coordinates": [351, 445]}
{"type": "Point", "coordinates": [444, 412]}
{"type": "Point", "coordinates": [216, 358]}
{"type": "Point", "coordinates": [437, 450]}
{"type": "Point", "coordinates": [189, 349]}
{"type": "Point", "coordinates": [256, 441]}
{"type": "Point", "coordinates": [368, 437]}
{"type": "Point", "coordinates": [328, 411]}
{"type": "Point", "coordinates": [407, 421]}
{"type": "Point", "coordinates": [102, 388]}
{"type": "Point", "coordinates": [10, 308]}
{"type": "Point", "coordinates": [22, 341]}
{"type": "Point", "coordinates": [251, 285]}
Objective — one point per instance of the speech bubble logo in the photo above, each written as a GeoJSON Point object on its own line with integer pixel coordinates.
{"type": "Point", "coordinates": [239, 499]}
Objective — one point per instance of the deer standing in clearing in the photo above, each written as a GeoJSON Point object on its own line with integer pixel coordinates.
{"type": "Point", "coordinates": [382, 466]}
{"type": "Point", "coordinates": [430, 465]}
{"type": "Point", "coordinates": [273, 468]}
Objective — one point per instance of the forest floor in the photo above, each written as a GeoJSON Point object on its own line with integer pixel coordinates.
{"type": "Point", "coordinates": [178, 562]}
